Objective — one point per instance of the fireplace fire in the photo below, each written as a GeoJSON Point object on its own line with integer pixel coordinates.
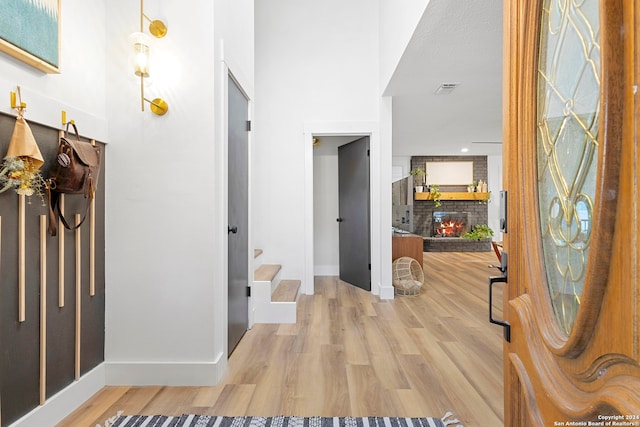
{"type": "Point", "coordinates": [449, 224]}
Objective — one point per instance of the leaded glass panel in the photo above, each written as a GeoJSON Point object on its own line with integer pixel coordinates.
{"type": "Point", "coordinates": [567, 146]}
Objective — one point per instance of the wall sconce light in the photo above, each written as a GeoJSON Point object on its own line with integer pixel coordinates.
{"type": "Point", "coordinates": [141, 50]}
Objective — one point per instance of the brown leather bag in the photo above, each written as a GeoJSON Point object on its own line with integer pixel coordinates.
{"type": "Point", "coordinates": [75, 171]}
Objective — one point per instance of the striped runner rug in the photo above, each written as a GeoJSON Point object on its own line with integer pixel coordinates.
{"type": "Point", "coordinates": [280, 421]}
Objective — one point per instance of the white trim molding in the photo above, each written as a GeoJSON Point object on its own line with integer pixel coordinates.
{"type": "Point", "coordinates": [59, 406]}
{"type": "Point", "coordinates": [187, 374]}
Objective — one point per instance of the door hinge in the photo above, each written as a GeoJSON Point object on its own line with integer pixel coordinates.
{"type": "Point", "coordinates": [248, 291]}
{"type": "Point", "coordinates": [248, 125]}
{"type": "Point", "coordinates": [369, 267]}
{"type": "Point", "coordinates": [368, 152]}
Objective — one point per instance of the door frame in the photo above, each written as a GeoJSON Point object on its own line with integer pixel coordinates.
{"type": "Point", "coordinates": [381, 284]}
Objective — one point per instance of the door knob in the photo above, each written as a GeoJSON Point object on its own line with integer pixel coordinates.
{"type": "Point", "coordinates": [231, 229]}
{"type": "Point", "coordinates": [339, 219]}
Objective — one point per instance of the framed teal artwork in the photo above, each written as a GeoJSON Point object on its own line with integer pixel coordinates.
{"type": "Point", "coordinates": [30, 32]}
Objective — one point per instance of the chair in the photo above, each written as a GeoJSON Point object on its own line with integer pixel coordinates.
{"type": "Point", "coordinates": [408, 276]}
{"type": "Point", "coordinates": [497, 249]}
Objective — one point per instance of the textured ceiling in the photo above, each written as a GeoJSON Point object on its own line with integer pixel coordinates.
{"type": "Point", "coordinates": [456, 41]}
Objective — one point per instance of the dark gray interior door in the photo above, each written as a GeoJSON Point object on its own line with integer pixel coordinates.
{"type": "Point", "coordinates": [353, 221]}
{"type": "Point", "coordinates": [238, 181]}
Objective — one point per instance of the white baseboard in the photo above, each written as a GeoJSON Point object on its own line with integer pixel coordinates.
{"type": "Point", "coordinates": [386, 292]}
{"type": "Point", "coordinates": [164, 373]}
{"type": "Point", "coordinates": [326, 270]}
{"type": "Point", "coordinates": [66, 401]}
{"type": "Point", "coordinates": [57, 407]}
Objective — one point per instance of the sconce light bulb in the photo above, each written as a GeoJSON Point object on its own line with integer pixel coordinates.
{"type": "Point", "coordinates": [141, 60]}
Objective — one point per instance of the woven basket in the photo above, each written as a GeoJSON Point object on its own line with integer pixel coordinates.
{"type": "Point", "coordinates": [408, 276]}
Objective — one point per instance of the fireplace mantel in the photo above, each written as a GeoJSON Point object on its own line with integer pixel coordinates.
{"type": "Point", "coordinates": [454, 195]}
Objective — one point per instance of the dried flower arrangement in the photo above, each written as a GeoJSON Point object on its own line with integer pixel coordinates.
{"type": "Point", "coordinates": [21, 165]}
{"type": "Point", "coordinates": [22, 175]}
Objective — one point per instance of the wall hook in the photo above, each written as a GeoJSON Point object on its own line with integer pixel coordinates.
{"type": "Point", "coordinates": [17, 103]}
{"type": "Point", "coordinates": [64, 119]}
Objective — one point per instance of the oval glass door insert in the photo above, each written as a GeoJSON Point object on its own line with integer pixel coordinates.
{"type": "Point", "coordinates": [567, 146]}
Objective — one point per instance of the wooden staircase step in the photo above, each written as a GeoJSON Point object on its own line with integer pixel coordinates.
{"type": "Point", "coordinates": [266, 272]}
{"type": "Point", "coordinates": [257, 253]}
{"type": "Point", "coordinates": [287, 291]}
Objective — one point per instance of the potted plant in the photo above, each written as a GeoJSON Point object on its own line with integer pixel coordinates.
{"type": "Point", "coordinates": [472, 187]}
{"type": "Point", "coordinates": [418, 179]}
{"type": "Point", "coordinates": [479, 232]}
{"type": "Point", "coordinates": [487, 200]}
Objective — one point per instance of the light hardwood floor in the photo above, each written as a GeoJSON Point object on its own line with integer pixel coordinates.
{"type": "Point", "coordinates": [353, 354]}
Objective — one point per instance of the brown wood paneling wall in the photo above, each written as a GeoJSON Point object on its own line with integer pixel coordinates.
{"type": "Point", "coordinates": [21, 386]}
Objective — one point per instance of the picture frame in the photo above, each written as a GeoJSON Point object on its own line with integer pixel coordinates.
{"type": "Point", "coordinates": [30, 32]}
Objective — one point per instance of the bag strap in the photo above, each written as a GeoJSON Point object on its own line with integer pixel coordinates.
{"type": "Point", "coordinates": [75, 129]}
{"type": "Point", "coordinates": [54, 208]}
{"type": "Point", "coordinates": [53, 200]}
{"type": "Point", "coordinates": [84, 216]}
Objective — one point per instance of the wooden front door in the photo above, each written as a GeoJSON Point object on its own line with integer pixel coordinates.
{"type": "Point", "coordinates": [570, 168]}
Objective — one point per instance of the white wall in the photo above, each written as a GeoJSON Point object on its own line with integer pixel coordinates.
{"type": "Point", "coordinates": [166, 298]}
{"type": "Point", "coordinates": [79, 88]}
{"type": "Point", "coordinates": [403, 163]}
{"type": "Point", "coordinates": [315, 62]}
{"type": "Point", "coordinates": [494, 182]}
{"type": "Point", "coordinates": [398, 21]}
{"type": "Point", "coordinates": [326, 209]}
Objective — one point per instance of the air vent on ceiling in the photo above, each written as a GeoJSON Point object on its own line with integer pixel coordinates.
{"type": "Point", "coordinates": [446, 88]}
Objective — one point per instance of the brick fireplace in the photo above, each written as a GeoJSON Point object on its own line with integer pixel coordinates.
{"type": "Point", "coordinates": [476, 211]}
{"type": "Point", "coordinates": [449, 224]}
